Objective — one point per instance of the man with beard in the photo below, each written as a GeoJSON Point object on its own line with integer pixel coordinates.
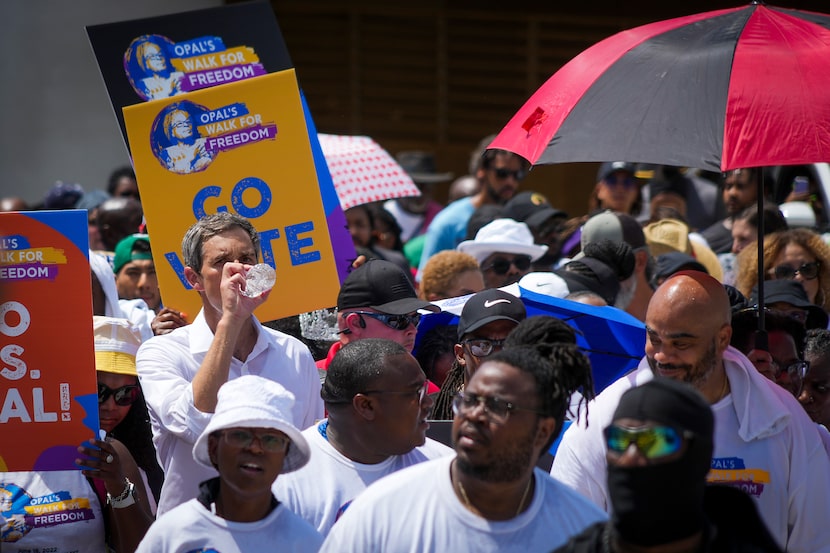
{"type": "Point", "coordinates": [661, 439]}
{"type": "Point", "coordinates": [499, 173]}
{"type": "Point", "coordinates": [764, 443]}
{"type": "Point", "coordinates": [489, 496]}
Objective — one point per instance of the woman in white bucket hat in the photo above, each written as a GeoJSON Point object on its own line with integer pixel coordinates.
{"type": "Point", "coordinates": [250, 440]}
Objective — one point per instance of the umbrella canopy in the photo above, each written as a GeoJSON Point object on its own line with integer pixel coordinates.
{"type": "Point", "coordinates": [721, 90]}
{"type": "Point", "coordinates": [363, 172]}
{"type": "Point", "coordinates": [613, 340]}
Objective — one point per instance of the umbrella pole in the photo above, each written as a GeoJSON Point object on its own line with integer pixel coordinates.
{"type": "Point", "coordinates": [761, 339]}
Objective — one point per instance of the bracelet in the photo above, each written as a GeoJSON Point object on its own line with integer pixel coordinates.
{"type": "Point", "coordinates": [125, 498]}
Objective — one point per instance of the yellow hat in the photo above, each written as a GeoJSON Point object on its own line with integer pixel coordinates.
{"type": "Point", "coordinates": [116, 343]}
{"type": "Point", "coordinates": [708, 259]}
{"type": "Point", "coordinates": [667, 235]}
{"type": "Point", "coordinates": [671, 235]}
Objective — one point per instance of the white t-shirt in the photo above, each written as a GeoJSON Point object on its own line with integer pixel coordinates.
{"type": "Point", "coordinates": [192, 527]}
{"type": "Point", "coordinates": [416, 510]}
{"type": "Point", "coordinates": [321, 491]}
{"type": "Point", "coordinates": [166, 367]}
{"type": "Point", "coordinates": [764, 444]}
{"type": "Point", "coordinates": [55, 511]}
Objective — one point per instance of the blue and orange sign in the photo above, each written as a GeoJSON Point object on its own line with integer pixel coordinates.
{"type": "Point", "coordinates": [47, 394]}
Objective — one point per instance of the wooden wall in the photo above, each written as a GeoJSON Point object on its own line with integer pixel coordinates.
{"type": "Point", "coordinates": [441, 75]}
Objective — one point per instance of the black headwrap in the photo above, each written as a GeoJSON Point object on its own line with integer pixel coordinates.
{"type": "Point", "coordinates": [662, 502]}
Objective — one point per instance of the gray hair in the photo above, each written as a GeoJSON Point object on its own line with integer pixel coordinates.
{"type": "Point", "coordinates": [206, 228]}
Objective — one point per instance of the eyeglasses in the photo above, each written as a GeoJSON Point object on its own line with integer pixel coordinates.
{"type": "Point", "coordinates": [796, 373]}
{"type": "Point", "coordinates": [482, 347]}
{"type": "Point", "coordinates": [808, 271]}
{"type": "Point", "coordinates": [496, 409]}
{"type": "Point", "coordinates": [269, 441]}
{"type": "Point", "coordinates": [421, 392]}
{"type": "Point", "coordinates": [395, 322]}
{"type": "Point", "coordinates": [501, 265]}
{"type": "Point", "coordinates": [125, 395]}
{"type": "Point", "coordinates": [502, 173]}
{"type": "Point", "coordinates": [653, 442]}
{"type": "Point", "coordinates": [626, 181]}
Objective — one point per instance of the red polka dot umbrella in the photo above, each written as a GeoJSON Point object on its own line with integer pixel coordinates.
{"type": "Point", "coordinates": [363, 171]}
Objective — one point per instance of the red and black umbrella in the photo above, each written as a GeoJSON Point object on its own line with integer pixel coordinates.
{"type": "Point", "coordinates": [727, 89]}
{"type": "Point", "coordinates": [721, 90]}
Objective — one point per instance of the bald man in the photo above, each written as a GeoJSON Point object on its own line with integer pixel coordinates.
{"type": "Point", "coordinates": [764, 443]}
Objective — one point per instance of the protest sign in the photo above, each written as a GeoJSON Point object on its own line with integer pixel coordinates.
{"type": "Point", "coordinates": [241, 147]}
{"type": "Point", "coordinates": [48, 387]}
{"type": "Point", "coordinates": [160, 57]}
{"type": "Point", "coordinates": [170, 56]}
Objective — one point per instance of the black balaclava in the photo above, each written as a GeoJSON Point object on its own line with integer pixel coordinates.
{"type": "Point", "coordinates": [663, 502]}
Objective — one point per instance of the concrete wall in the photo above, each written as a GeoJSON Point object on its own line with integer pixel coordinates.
{"type": "Point", "coordinates": [57, 120]}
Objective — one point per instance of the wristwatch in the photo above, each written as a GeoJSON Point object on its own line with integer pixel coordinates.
{"type": "Point", "coordinates": [125, 498]}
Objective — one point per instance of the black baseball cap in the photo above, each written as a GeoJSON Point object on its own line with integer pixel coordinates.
{"type": "Point", "coordinates": [487, 306]}
{"type": "Point", "coordinates": [672, 262]}
{"type": "Point", "coordinates": [384, 287]}
{"type": "Point", "coordinates": [792, 292]}
{"type": "Point", "coordinates": [531, 208]}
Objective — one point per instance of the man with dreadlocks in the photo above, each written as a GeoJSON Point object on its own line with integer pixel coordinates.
{"type": "Point", "coordinates": [486, 320]}
{"type": "Point", "coordinates": [489, 496]}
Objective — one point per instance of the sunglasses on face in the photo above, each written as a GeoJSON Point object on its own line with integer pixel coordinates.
{"type": "Point", "coordinates": [496, 409]}
{"type": "Point", "coordinates": [626, 181]}
{"type": "Point", "coordinates": [653, 442]}
{"type": "Point", "coordinates": [501, 265]}
{"type": "Point", "coordinates": [269, 441]}
{"type": "Point", "coordinates": [125, 395]}
{"type": "Point", "coordinates": [395, 322]}
{"type": "Point", "coordinates": [482, 347]}
{"type": "Point", "coordinates": [502, 173]}
{"type": "Point", "coordinates": [808, 271]}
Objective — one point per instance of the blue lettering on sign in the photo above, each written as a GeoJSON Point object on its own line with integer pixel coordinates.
{"type": "Point", "coordinates": [265, 238]}
{"type": "Point", "coordinates": [264, 193]}
{"type": "Point", "coordinates": [178, 267]}
{"type": "Point", "coordinates": [198, 46]}
{"type": "Point", "coordinates": [296, 244]}
{"type": "Point", "coordinates": [202, 196]}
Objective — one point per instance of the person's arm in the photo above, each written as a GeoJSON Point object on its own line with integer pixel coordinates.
{"type": "Point", "coordinates": [128, 514]}
{"type": "Point", "coordinates": [579, 463]}
{"type": "Point", "coordinates": [807, 496]}
{"type": "Point", "coordinates": [235, 321]}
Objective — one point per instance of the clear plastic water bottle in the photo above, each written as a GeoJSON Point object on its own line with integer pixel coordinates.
{"type": "Point", "coordinates": [259, 279]}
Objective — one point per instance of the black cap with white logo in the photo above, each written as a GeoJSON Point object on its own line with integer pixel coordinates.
{"type": "Point", "coordinates": [488, 306]}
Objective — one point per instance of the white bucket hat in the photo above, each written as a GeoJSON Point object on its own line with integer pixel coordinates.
{"type": "Point", "coordinates": [502, 235]}
{"type": "Point", "coordinates": [255, 402]}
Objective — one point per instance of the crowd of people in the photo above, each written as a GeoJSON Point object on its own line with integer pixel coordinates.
{"type": "Point", "coordinates": [221, 432]}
